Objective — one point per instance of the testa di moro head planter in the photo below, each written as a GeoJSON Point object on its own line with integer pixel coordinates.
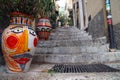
{"type": "Point", "coordinates": [18, 43]}
{"type": "Point", "coordinates": [43, 28]}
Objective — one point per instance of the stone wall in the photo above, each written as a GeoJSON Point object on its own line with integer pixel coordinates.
{"type": "Point", "coordinates": [96, 25]}
{"type": "Point", "coordinates": [117, 35]}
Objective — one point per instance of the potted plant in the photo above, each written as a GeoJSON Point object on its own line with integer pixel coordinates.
{"type": "Point", "coordinates": [53, 20]}
{"type": "Point", "coordinates": [45, 9]}
{"type": "Point", "coordinates": [19, 38]}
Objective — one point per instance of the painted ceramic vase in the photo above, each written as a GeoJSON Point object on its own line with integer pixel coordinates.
{"type": "Point", "coordinates": [18, 43]}
{"type": "Point", "coordinates": [43, 28]}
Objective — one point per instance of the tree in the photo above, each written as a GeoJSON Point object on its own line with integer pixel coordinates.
{"type": "Point", "coordinates": [24, 6]}
{"type": "Point", "coordinates": [9, 6]}
{"type": "Point", "coordinates": [45, 8]}
{"type": "Point", "coordinates": [70, 20]}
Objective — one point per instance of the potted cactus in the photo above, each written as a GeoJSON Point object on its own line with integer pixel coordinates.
{"type": "Point", "coordinates": [19, 38]}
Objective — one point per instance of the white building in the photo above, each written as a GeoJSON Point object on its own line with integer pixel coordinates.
{"type": "Point", "coordinates": [80, 14]}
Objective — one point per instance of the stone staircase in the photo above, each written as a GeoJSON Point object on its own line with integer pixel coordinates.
{"type": "Point", "coordinates": [70, 45]}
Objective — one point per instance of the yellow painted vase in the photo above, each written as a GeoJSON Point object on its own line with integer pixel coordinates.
{"type": "Point", "coordinates": [18, 43]}
{"type": "Point", "coordinates": [43, 28]}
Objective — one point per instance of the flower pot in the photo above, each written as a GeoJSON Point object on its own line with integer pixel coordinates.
{"type": "Point", "coordinates": [18, 43]}
{"type": "Point", "coordinates": [43, 28]}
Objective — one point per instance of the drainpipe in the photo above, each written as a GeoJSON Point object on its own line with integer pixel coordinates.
{"type": "Point", "coordinates": [112, 47]}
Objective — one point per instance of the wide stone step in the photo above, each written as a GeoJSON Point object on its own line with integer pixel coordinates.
{"type": "Point", "coordinates": [56, 43]}
{"type": "Point", "coordinates": [70, 30]}
{"type": "Point", "coordinates": [57, 37]}
{"type": "Point", "coordinates": [66, 36]}
{"type": "Point", "coordinates": [98, 57]}
{"type": "Point", "coordinates": [61, 30]}
{"type": "Point", "coordinates": [40, 72]}
{"type": "Point", "coordinates": [70, 37]}
{"type": "Point", "coordinates": [72, 49]}
{"type": "Point", "coordinates": [69, 34]}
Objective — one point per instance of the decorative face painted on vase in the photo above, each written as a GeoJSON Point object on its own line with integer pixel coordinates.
{"type": "Point", "coordinates": [18, 46]}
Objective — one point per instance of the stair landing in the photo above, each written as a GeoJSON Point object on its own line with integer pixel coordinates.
{"type": "Point", "coordinates": [40, 72]}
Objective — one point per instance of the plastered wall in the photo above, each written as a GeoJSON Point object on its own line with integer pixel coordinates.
{"type": "Point", "coordinates": [115, 8]}
{"type": "Point", "coordinates": [93, 7]}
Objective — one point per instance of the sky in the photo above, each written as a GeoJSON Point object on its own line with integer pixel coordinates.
{"type": "Point", "coordinates": [62, 3]}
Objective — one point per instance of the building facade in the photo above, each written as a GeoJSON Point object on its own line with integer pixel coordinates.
{"type": "Point", "coordinates": [68, 7]}
{"type": "Point", "coordinates": [80, 14]}
{"type": "Point", "coordinates": [90, 15]}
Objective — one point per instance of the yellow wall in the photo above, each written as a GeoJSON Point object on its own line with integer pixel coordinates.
{"type": "Point", "coordinates": [93, 7]}
{"type": "Point", "coordinates": [115, 7]}
{"type": "Point", "coordinates": [69, 4]}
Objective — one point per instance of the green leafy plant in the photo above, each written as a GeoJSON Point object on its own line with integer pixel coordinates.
{"type": "Point", "coordinates": [70, 20]}
{"type": "Point", "coordinates": [53, 17]}
{"type": "Point", "coordinates": [45, 8]}
{"type": "Point", "coordinates": [51, 72]}
{"type": "Point", "coordinates": [24, 6]}
{"type": "Point", "coordinates": [62, 19]}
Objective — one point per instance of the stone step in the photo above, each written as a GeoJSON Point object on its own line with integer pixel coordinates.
{"type": "Point", "coordinates": [98, 57]}
{"type": "Point", "coordinates": [72, 38]}
{"type": "Point", "coordinates": [56, 43]}
{"type": "Point", "coordinates": [66, 36]}
{"type": "Point", "coordinates": [72, 49]}
{"type": "Point", "coordinates": [69, 30]}
{"type": "Point", "coordinates": [40, 72]}
{"type": "Point", "coordinates": [86, 38]}
{"type": "Point", "coordinates": [69, 34]}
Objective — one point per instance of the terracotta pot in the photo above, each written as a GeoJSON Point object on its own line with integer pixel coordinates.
{"type": "Point", "coordinates": [43, 28]}
{"type": "Point", "coordinates": [18, 43]}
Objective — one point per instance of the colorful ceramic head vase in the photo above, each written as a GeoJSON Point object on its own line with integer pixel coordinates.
{"type": "Point", "coordinates": [43, 28]}
{"type": "Point", "coordinates": [18, 46]}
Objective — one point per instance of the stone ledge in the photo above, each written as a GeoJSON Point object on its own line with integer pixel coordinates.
{"type": "Point", "coordinates": [40, 72]}
{"type": "Point", "coordinates": [72, 49]}
{"type": "Point", "coordinates": [78, 58]}
{"type": "Point", "coordinates": [59, 76]}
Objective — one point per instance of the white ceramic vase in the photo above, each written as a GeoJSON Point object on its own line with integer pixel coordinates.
{"type": "Point", "coordinates": [18, 43]}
